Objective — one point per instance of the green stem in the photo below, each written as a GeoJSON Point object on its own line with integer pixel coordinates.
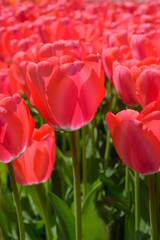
{"type": "Point", "coordinates": [107, 151]}
{"type": "Point", "coordinates": [41, 120]}
{"type": "Point", "coordinates": [0, 193]}
{"type": "Point", "coordinates": [114, 100]}
{"type": "Point", "coordinates": [17, 202]}
{"type": "Point", "coordinates": [1, 234]}
{"type": "Point", "coordinates": [78, 146]}
{"type": "Point", "coordinates": [127, 201]}
{"type": "Point", "coordinates": [110, 95]}
{"type": "Point", "coordinates": [64, 147]}
{"type": "Point", "coordinates": [63, 142]}
{"type": "Point", "coordinates": [158, 195]}
{"type": "Point", "coordinates": [92, 136]}
{"type": "Point", "coordinates": [84, 163]}
{"type": "Point", "coordinates": [44, 211]}
{"type": "Point", "coordinates": [152, 206]}
{"type": "Point", "coordinates": [137, 209]}
{"type": "Point", "coordinates": [77, 193]}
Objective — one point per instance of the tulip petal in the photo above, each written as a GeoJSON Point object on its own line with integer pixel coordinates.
{"type": "Point", "coordinates": [108, 57]}
{"type": "Point", "coordinates": [125, 85]}
{"type": "Point", "coordinates": [19, 170]}
{"type": "Point", "coordinates": [127, 114]}
{"type": "Point", "coordinates": [88, 102]}
{"type": "Point", "coordinates": [45, 157]}
{"type": "Point", "coordinates": [62, 96]}
{"type": "Point", "coordinates": [148, 86]}
{"type": "Point", "coordinates": [137, 146]}
{"type": "Point", "coordinates": [152, 121]}
{"type": "Point", "coordinates": [36, 164]}
{"type": "Point", "coordinates": [16, 127]}
{"type": "Point", "coordinates": [111, 121]}
{"type": "Point", "coordinates": [141, 47]}
{"type": "Point", "coordinates": [153, 106]}
{"type": "Point", "coordinates": [37, 76]}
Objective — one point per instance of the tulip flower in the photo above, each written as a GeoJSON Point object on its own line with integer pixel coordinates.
{"type": "Point", "coordinates": [148, 85]}
{"type": "Point", "coordinates": [16, 127]}
{"type": "Point", "coordinates": [66, 91]}
{"type": "Point", "coordinates": [8, 84]}
{"type": "Point", "coordinates": [36, 163]}
{"type": "Point", "coordinates": [74, 48]}
{"type": "Point", "coordinates": [136, 137]}
{"type": "Point", "coordinates": [24, 44]}
{"type": "Point", "coordinates": [18, 69]}
{"type": "Point", "coordinates": [109, 55]}
{"type": "Point", "coordinates": [141, 47]}
{"type": "Point", "coordinates": [124, 82]}
{"type": "Point", "coordinates": [133, 80]}
{"type": "Point", "coordinates": [118, 38]}
{"type": "Point", "coordinates": [52, 29]}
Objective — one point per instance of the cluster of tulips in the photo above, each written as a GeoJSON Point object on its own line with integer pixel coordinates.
{"type": "Point", "coordinates": [55, 57]}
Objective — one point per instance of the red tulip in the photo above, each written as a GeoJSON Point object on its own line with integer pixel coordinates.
{"type": "Point", "coordinates": [141, 47]}
{"type": "Point", "coordinates": [52, 29]}
{"type": "Point", "coordinates": [24, 44]}
{"type": "Point", "coordinates": [134, 79]}
{"type": "Point", "coordinates": [66, 91]}
{"type": "Point", "coordinates": [124, 81]}
{"type": "Point", "coordinates": [109, 55]}
{"type": "Point", "coordinates": [136, 137]}
{"type": "Point", "coordinates": [18, 69]}
{"type": "Point", "coordinates": [8, 84]}
{"type": "Point", "coordinates": [7, 34]}
{"type": "Point", "coordinates": [36, 163]}
{"type": "Point", "coordinates": [74, 48]}
{"type": "Point", "coordinates": [119, 38]}
{"type": "Point", "coordinates": [16, 127]}
{"type": "Point", "coordinates": [148, 85]}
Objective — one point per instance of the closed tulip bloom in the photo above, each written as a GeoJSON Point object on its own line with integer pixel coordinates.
{"type": "Point", "coordinates": [118, 38]}
{"type": "Point", "coordinates": [18, 70]}
{"type": "Point", "coordinates": [134, 79]}
{"type": "Point", "coordinates": [8, 84]}
{"type": "Point", "coordinates": [36, 164]}
{"type": "Point", "coordinates": [66, 91]}
{"type": "Point", "coordinates": [53, 29]}
{"type": "Point", "coordinates": [24, 44]}
{"type": "Point", "coordinates": [74, 48]}
{"type": "Point", "coordinates": [136, 137]}
{"type": "Point", "coordinates": [109, 55]}
{"type": "Point", "coordinates": [124, 81]}
{"type": "Point", "coordinates": [148, 85]}
{"type": "Point", "coordinates": [16, 127]}
{"type": "Point", "coordinates": [141, 47]}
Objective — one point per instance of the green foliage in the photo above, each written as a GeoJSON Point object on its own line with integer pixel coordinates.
{"type": "Point", "coordinates": [94, 227]}
{"type": "Point", "coordinates": [64, 218]}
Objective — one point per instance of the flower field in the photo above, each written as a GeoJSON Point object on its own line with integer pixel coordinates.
{"type": "Point", "coordinates": [79, 120]}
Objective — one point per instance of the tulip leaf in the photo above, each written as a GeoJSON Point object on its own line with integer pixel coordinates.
{"type": "Point", "coordinates": [65, 168]}
{"type": "Point", "coordinates": [35, 230]}
{"type": "Point", "coordinates": [141, 236]}
{"type": "Point", "coordinates": [111, 186]}
{"type": "Point", "coordinates": [94, 227]}
{"type": "Point", "coordinates": [64, 218]}
{"type": "Point", "coordinates": [7, 224]}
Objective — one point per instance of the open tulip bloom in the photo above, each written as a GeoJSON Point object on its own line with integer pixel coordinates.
{"type": "Point", "coordinates": [136, 137]}
{"type": "Point", "coordinates": [66, 91]}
